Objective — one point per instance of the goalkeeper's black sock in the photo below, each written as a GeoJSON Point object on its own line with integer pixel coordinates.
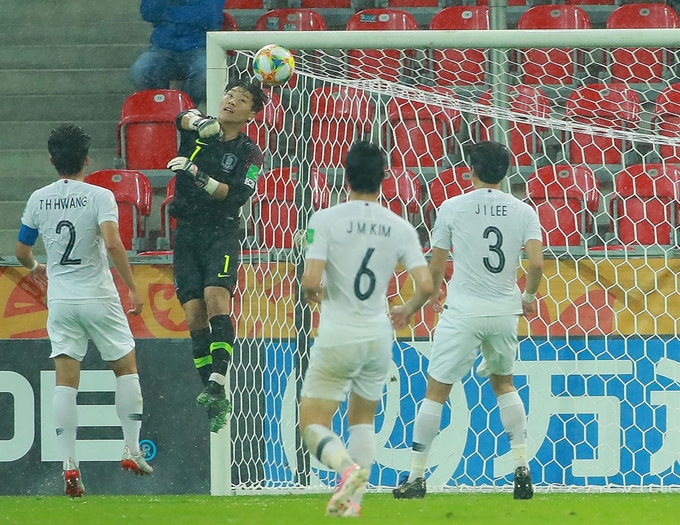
{"type": "Point", "coordinates": [200, 344]}
{"type": "Point", "coordinates": [222, 332]}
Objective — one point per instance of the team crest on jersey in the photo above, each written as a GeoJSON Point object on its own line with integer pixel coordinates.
{"type": "Point", "coordinates": [229, 161]}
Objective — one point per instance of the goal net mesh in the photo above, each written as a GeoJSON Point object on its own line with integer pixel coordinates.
{"type": "Point", "coordinates": [594, 135]}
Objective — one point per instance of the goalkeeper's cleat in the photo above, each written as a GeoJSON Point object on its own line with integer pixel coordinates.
{"type": "Point", "coordinates": [354, 479]}
{"type": "Point", "coordinates": [135, 463]}
{"type": "Point", "coordinates": [353, 510]}
{"type": "Point", "coordinates": [73, 483]}
{"type": "Point", "coordinates": [415, 489]}
{"type": "Point", "coordinates": [215, 401]}
{"type": "Point", "coordinates": [523, 488]}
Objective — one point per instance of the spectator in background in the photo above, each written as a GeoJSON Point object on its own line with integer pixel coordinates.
{"type": "Point", "coordinates": [177, 50]}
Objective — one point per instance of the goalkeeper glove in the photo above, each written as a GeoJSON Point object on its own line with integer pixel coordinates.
{"type": "Point", "coordinates": [208, 128]}
{"type": "Point", "coordinates": [193, 117]}
{"type": "Point", "coordinates": [184, 165]}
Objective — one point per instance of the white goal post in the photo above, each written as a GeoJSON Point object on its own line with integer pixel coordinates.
{"type": "Point", "coordinates": [598, 368]}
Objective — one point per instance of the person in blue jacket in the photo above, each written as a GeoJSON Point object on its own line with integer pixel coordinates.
{"type": "Point", "coordinates": [177, 50]}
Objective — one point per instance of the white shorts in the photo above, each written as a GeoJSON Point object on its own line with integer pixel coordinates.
{"type": "Point", "coordinates": [360, 367]}
{"type": "Point", "coordinates": [68, 326]}
{"type": "Point", "coordinates": [458, 339]}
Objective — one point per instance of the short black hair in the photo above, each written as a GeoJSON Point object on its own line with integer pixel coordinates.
{"type": "Point", "coordinates": [254, 87]}
{"type": "Point", "coordinates": [68, 145]}
{"type": "Point", "coordinates": [490, 160]}
{"type": "Point", "coordinates": [365, 167]}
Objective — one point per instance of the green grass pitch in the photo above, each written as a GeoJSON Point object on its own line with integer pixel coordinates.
{"type": "Point", "coordinates": [483, 509]}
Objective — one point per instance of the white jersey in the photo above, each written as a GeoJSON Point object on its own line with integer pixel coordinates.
{"type": "Point", "coordinates": [67, 214]}
{"type": "Point", "coordinates": [487, 230]}
{"type": "Point", "coordinates": [362, 243]}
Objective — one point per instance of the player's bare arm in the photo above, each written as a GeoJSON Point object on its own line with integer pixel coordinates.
{"type": "Point", "coordinates": [401, 315]}
{"type": "Point", "coordinates": [437, 267]}
{"type": "Point", "coordinates": [534, 252]}
{"type": "Point", "coordinates": [25, 255]}
{"type": "Point", "coordinates": [119, 258]}
{"type": "Point", "coordinates": [312, 286]}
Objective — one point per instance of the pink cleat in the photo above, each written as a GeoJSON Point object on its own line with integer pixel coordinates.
{"type": "Point", "coordinates": [354, 478]}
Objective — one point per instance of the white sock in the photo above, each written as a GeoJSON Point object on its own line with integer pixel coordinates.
{"type": "Point", "coordinates": [218, 378]}
{"type": "Point", "coordinates": [129, 406]}
{"type": "Point", "coordinates": [327, 447]}
{"type": "Point", "coordinates": [425, 429]}
{"type": "Point", "coordinates": [361, 448]}
{"type": "Point", "coordinates": [514, 419]}
{"type": "Point", "coordinates": [66, 421]}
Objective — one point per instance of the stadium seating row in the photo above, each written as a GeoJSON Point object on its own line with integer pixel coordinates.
{"type": "Point", "coordinates": [463, 67]}
{"type": "Point", "coordinates": [644, 207]}
{"type": "Point", "coordinates": [407, 4]}
{"type": "Point", "coordinates": [416, 134]}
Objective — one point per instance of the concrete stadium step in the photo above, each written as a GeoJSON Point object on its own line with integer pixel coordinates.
{"type": "Point", "coordinates": [57, 82]}
{"type": "Point", "coordinates": [108, 32]}
{"type": "Point", "coordinates": [75, 11]}
{"type": "Point", "coordinates": [8, 241]}
{"type": "Point", "coordinates": [25, 170]}
{"type": "Point", "coordinates": [90, 56]}
{"type": "Point", "coordinates": [70, 107]}
{"type": "Point", "coordinates": [18, 135]}
{"type": "Point", "coordinates": [11, 214]}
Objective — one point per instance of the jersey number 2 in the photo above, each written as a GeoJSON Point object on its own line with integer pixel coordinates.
{"type": "Point", "coordinates": [66, 257]}
{"type": "Point", "coordinates": [365, 270]}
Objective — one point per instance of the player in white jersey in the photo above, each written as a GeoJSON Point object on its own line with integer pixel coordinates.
{"type": "Point", "coordinates": [487, 230]}
{"type": "Point", "coordinates": [353, 250]}
{"type": "Point", "coordinates": [79, 226]}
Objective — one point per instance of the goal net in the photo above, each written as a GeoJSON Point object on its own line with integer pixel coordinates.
{"type": "Point", "coordinates": [593, 122]}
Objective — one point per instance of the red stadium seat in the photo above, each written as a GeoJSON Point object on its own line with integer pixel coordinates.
{"type": "Point", "coordinates": [666, 121]}
{"type": "Point", "coordinates": [565, 197]}
{"type": "Point", "coordinates": [168, 224]}
{"type": "Point", "coordinates": [605, 105]}
{"type": "Point", "coordinates": [326, 4]}
{"type": "Point", "coordinates": [274, 210]}
{"type": "Point", "coordinates": [590, 2]}
{"type": "Point", "coordinates": [340, 116]}
{"type": "Point", "coordinates": [460, 66]}
{"type": "Point", "coordinates": [244, 4]}
{"type": "Point", "coordinates": [386, 64]}
{"type": "Point", "coordinates": [645, 205]}
{"type": "Point", "coordinates": [511, 3]}
{"type": "Point", "coordinates": [228, 21]}
{"type": "Point", "coordinates": [400, 192]}
{"type": "Point", "coordinates": [266, 124]}
{"type": "Point", "coordinates": [291, 20]}
{"type": "Point", "coordinates": [640, 64]}
{"type": "Point", "coordinates": [133, 193]}
{"type": "Point", "coordinates": [409, 4]}
{"type": "Point", "coordinates": [147, 135]}
{"type": "Point", "coordinates": [551, 66]}
{"type": "Point", "coordinates": [524, 138]}
{"type": "Point", "coordinates": [419, 134]}
{"type": "Point", "coordinates": [449, 183]}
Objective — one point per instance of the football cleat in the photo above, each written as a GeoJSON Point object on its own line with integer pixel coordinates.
{"type": "Point", "coordinates": [415, 489]}
{"type": "Point", "coordinates": [73, 483]}
{"type": "Point", "coordinates": [353, 510]}
{"type": "Point", "coordinates": [523, 488]}
{"type": "Point", "coordinates": [354, 479]}
{"type": "Point", "coordinates": [215, 401]}
{"type": "Point", "coordinates": [135, 463]}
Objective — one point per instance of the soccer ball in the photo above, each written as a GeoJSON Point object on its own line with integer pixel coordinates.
{"type": "Point", "coordinates": [273, 65]}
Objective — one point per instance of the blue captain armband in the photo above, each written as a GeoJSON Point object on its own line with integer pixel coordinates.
{"type": "Point", "coordinates": [27, 235]}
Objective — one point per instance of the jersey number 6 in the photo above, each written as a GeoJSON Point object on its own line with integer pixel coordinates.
{"type": "Point", "coordinates": [365, 270]}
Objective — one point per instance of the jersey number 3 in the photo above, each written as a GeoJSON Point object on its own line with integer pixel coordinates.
{"type": "Point", "coordinates": [495, 248]}
{"type": "Point", "coordinates": [66, 257]}
{"type": "Point", "coordinates": [364, 270]}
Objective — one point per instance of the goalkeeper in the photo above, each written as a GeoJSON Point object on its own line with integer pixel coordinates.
{"type": "Point", "coordinates": [217, 169]}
